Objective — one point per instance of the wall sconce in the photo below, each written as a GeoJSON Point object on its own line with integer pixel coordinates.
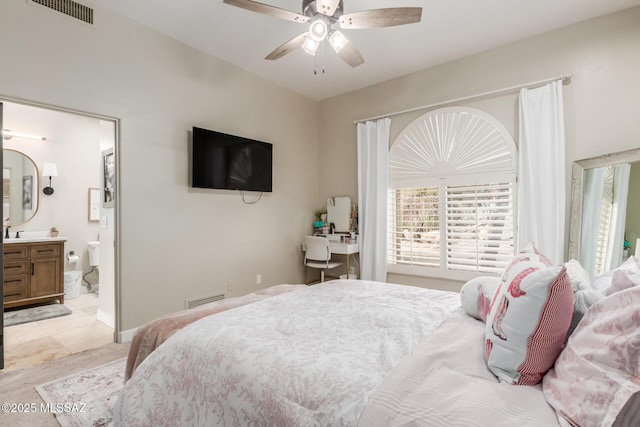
{"type": "Point", "coordinates": [49, 169]}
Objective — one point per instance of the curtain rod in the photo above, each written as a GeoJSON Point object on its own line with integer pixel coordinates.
{"type": "Point", "coordinates": [564, 78]}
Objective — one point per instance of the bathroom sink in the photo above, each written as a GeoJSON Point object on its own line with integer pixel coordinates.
{"type": "Point", "coordinates": [32, 239]}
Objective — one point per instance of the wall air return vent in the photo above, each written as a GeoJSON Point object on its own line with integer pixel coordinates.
{"type": "Point", "coordinates": [69, 8]}
{"type": "Point", "coordinates": [196, 302]}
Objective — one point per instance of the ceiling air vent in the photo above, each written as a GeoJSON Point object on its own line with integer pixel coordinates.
{"type": "Point", "coordinates": [195, 302]}
{"type": "Point", "coordinates": [68, 7]}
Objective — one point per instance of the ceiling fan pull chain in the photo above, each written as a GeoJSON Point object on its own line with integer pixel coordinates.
{"type": "Point", "coordinates": [315, 65]}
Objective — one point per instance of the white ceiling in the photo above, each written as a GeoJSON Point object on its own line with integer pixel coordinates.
{"type": "Point", "coordinates": [449, 29]}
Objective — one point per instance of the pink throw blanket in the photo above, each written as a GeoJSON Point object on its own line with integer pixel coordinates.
{"type": "Point", "coordinates": [149, 336]}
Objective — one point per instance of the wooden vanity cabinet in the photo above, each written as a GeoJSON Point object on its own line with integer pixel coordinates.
{"type": "Point", "coordinates": [33, 273]}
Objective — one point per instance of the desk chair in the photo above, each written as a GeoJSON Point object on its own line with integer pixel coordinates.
{"type": "Point", "coordinates": [317, 254]}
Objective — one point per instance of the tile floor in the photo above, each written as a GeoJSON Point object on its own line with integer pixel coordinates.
{"type": "Point", "coordinates": [36, 342]}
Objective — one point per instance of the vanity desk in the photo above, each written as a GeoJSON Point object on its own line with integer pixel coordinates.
{"type": "Point", "coordinates": [33, 271]}
{"type": "Point", "coordinates": [341, 218]}
{"type": "Point", "coordinates": [338, 247]}
{"type": "Point", "coordinates": [346, 249]}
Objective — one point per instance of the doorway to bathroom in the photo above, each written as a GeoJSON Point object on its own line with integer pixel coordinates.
{"type": "Point", "coordinates": [82, 207]}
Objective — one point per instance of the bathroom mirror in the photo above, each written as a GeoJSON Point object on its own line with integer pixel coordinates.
{"type": "Point", "coordinates": [605, 210]}
{"type": "Point", "coordinates": [339, 213]}
{"type": "Point", "coordinates": [20, 185]}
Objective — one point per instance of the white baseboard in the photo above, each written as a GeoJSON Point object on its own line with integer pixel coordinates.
{"type": "Point", "coordinates": [126, 336]}
{"type": "Point", "coordinates": [106, 318]}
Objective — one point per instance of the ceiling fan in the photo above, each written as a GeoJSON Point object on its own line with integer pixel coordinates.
{"type": "Point", "coordinates": [321, 15]}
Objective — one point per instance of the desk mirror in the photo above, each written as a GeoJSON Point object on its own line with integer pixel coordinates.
{"type": "Point", "coordinates": [605, 210]}
{"type": "Point", "coordinates": [20, 184]}
{"type": "Point", "coordinates": [339, 213]}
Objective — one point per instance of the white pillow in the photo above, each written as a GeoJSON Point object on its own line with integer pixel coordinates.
{"type": "Point", "coordinates": [585, 299]}
{"type": "Point", "coordinates": [626, 276]}
{"type": "Point", "coordinates": [528, 319]}
{"type": "Point", "coordinates": [476, 296]}
{"type": "Point", "coordinates": [580, 279]}
{"type": "Point", "coordinates": [623, 277]}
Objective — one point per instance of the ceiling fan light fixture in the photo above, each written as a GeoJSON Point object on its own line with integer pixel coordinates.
{"type": "Point", "coordinates": [318, 29]}
{"type": "Point", "coordinates": [310, 46]}
{"type": "Point", "coordinates": [321, 15]}
{"type": "Point", "coordinates": [337, 40]}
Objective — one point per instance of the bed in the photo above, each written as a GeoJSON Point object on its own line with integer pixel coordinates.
{"type": "Point", "coordinates": [148, 337]}
{"type": "Point", "coordinates": [352, 353]}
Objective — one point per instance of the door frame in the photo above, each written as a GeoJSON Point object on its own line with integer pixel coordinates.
{"type": "Point", "coordinates": [117, 209]}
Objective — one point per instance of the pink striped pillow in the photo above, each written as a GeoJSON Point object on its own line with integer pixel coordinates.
{"type": "Point", "coordinates": [528, 319]}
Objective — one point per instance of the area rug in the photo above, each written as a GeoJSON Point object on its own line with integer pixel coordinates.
{"type": "Point", "coordinates": [86, 398]}
{"type": "Point", "coordinates": [17, 317]}
{"type": "Point", "coordinates": [20, 385]}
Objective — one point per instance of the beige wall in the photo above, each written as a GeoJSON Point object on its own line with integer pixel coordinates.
{"type": "Point", "coordinates": [175, 242]}
{"type": "Point", "coordinates": [601, 103]}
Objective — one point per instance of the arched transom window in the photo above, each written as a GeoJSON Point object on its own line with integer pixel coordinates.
{"type": "Point", "coordinates": [452, 194]}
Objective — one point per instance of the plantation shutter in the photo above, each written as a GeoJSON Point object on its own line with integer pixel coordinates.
{"type": "Point", "coordinates": [452, 180]}
{"type": "Point", "coordinates": [606, 214]}
{"type": "Point", "coordinates": [414, 227]}
{"type": "Point", "coordinates": [479, 224]}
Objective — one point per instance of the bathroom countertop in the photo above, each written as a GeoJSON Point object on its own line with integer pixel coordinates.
{"type": "Point", "coordinates": [34, 239]}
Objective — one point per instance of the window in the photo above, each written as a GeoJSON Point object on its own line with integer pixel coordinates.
{"type": "Point", "coordinates": [414, 227]}
{"type": "Point", "coordinates": [452, 195]}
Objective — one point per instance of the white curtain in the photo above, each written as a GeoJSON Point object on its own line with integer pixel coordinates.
{"type": "Point", "coordinates": [615, 245]}
{"type": "Point", "coordinates": [542, 170]}
{"type": "Point", "coordinates": [373, 177]}
{"type": "Point", "coordinates": [591, 212]}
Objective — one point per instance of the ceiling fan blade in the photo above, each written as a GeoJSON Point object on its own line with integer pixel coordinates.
{"type": "Point", "coordinates": [266, 9]}
{"type": "Point", "coordinates": [287, 47]}
{"type": "Point", "coordinates": [350, 54]}
{"type": "Point", "coordinates": [381, 17]}
{"type": "Point", "coordinates": [327, 7]}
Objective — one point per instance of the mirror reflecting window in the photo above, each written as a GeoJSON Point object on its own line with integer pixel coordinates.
{"type": "Point", "coordinates": [605, 213]}
{"type": "Point", "coordinates": [339, 213]}
{"type": "Point", "coordinates": [20, 188]}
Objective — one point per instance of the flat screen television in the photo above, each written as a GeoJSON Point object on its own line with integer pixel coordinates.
{"type": "Point", "coordinates": [230, 162]}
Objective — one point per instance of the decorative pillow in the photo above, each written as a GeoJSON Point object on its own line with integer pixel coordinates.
{"type": "Point", "coordinates": [599, 370]}
{"type": "Point", "coordinates": [528, 319]}
{"type": "Point", "coordinates": [476, 296]}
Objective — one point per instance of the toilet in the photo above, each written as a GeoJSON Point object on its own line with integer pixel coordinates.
{"type": "Point", "coordinates": [94, 253]}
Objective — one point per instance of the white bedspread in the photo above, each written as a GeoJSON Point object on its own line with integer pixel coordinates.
{"type": "Point", "coordinates": [446, 382]}
{"type": "Point", "coordinates": [310, 357]}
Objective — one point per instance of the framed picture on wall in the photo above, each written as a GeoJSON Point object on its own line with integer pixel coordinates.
{"type": "Point", "coordinates": [94, 204]}
{"type": "Point", "coordinates": [27, 192]}
{"type": "Point", "coordinates": [108, 178]}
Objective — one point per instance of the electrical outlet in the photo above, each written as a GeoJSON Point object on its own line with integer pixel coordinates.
{"type": "Point", "coordinates": [229, 286]}
{"type": "Point", "coordinates": [258, 279]}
